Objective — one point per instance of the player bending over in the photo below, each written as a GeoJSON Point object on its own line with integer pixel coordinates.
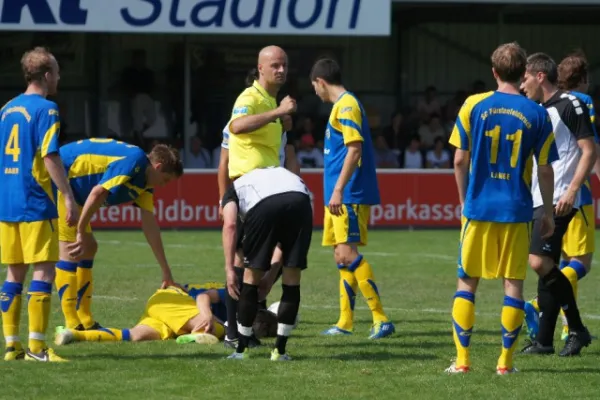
{"type": "Point", "coordinates": [351, 188]}
{"type": "Point", "coordinates": [579, 240]}
{"type": "Point", "coordinates": [271, 214]}
{"type": "Point", "coordinates": [496, 135]}
{"type": "Point", "coordinates": [29, 129]}
{"type": "Point", "coordinates": [105, 172]}
{"type": "Point", "coordinates": [575, 141]}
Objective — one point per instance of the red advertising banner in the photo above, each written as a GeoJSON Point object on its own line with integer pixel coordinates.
{"type": "Point", "coordinates": [419, 199]}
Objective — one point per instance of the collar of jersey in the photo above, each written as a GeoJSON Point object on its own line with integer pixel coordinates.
{"type": "Point", "coordinates": [262, 91]}
{"type": "Point", "coordinates": [341, 95]}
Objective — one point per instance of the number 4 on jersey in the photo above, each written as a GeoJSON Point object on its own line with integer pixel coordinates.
{"type": "Point", "coordinates": [495, 134]}
{"type": "Point", "coordinates": [12, 146]}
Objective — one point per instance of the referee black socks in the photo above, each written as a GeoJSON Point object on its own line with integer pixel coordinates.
{"type": "Point", "coordinates": [286, 315]}
{"type": "Point", "coordinates": [247, 309]}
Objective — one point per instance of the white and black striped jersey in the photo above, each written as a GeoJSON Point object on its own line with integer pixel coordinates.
{"type": "Point", "coordinates": [571, 122]}
{"type": "Point", "coordinates": [250, 189]}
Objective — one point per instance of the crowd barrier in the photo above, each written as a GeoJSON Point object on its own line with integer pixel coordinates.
{"type": "Point", "coordinates": [409, 199]}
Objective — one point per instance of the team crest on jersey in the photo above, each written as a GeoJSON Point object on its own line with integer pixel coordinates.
{"type": "Point", "coordinates": [240, 110]}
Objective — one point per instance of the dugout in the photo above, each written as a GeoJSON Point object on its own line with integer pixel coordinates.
{"type": "Point", "coordinates": [440, 43]}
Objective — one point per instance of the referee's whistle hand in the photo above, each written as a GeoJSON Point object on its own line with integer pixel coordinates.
{"type": "Point", "coordinates": [287, 105]}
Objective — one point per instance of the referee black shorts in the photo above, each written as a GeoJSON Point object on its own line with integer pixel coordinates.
{"type": "Point", "coordinates": [552, 246]}
{"type": "Point", "coordinates": [284, 218]}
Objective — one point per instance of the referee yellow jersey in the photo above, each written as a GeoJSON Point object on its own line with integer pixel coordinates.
{"type": "Point", "coordinates": [258, 149]}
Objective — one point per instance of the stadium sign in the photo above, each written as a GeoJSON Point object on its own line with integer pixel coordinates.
{"type": "Point", "coordinates": [511, 2]}
{"type": "Point", "coordinates": [281, 17]}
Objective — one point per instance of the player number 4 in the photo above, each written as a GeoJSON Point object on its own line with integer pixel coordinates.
{"type": "Point", "coordinates": [12, 146]}
{"type": "Point", "coordinates": [495, 134]}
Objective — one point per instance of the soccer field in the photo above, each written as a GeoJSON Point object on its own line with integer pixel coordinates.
{"type": "Point", "coordinates": [416, 273]}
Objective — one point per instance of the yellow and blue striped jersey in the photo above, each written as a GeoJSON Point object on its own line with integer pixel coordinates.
{"type": "Point", "coordinates": [118, 167]}
{"type": "Point", "coordinates": [29, 128]}
{"type": "Point", "coordinates": [502, 132]}
{"type": "Point", "coordinates": [586, 188]}
{"type": "Point", "coordinates": [219, 309]}
{"type": "Point", "coordinates": [347, 124]}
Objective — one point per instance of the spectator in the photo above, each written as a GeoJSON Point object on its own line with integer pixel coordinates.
{"type": "Point", "coordinates": [413, 157]}
{"type": "Point", "coordinates": [439, 157]}
{"type": "Point", "coordinates": [384, 157]}
{"type": "Point", "coordinates": [454, 105]}
{"type": "Point", "coordinates": [308, 155]}
{"type": "Point", "coordinates": [395, 134]}
{"type": "Point", "coordinates": [137, 82]}
{"type": "Point", "coordinates": [428, 132]}
{"type": "Point", "coordinates": [197, 156]}
{"type": "Point", "coordinates": [429, 105]}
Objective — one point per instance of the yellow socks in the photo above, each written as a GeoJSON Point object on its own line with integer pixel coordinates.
{"type": "Point", "coordinates": [66, 286]}
{"type": "Point", "coordinates": [10, 303]}
{"type": "Point", "coordinates": [463, 319]}
{"type": "Point", "coordinates": [348, 287]}
{"type": "Point", "coordinates": [574, 271]}
{"type": "Point", "coordinates": [102, 335]}
{"type": "Point", "coordinates": [84, 293]}
{"type": "Point", "coordinates": [513, 313]}
{"type": "Point", "coordinates": [38, 308]}
{"type": "Point", "coordinates": [366, 282]}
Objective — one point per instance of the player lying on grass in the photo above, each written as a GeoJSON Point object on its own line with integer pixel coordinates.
{"type": "Point", "coordinates": [193, 314]}
{"type": "Point", "coordinates": [105, 172]}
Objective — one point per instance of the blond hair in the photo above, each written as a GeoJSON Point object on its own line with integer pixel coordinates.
{"type": "Point", "coordinates": [36, 63]}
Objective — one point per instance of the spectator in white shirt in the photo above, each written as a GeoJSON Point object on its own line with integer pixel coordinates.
{"type": "Point", "coordinates": [413, 157]}
{"type": "Point", "coordinates": [439, 157]}
{"type": "Point", "coordinates": [197, 156]}
{"type": "Point", "coordinates": [309, 156]}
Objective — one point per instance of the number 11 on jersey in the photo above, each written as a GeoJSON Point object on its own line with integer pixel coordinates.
{"type": "Point", "coordinates": [496, 135]}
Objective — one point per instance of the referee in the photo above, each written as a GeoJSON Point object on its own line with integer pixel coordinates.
{"type": "Point", "coordinates": [254, 140]}
{"type": "Point", "coordinates": [272, 213]}
{"type": "Point", "coordinates": [255, 123]}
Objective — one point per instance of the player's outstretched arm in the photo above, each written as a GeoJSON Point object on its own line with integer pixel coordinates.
{"type": "Point", "coordinates": [56, 170]}
{"type": "Point", "coordinates": [154, 239]}
{"type": "Point", "coordinates": [462, 158]}
{"type": "Point", "coordinates": [230, 211]}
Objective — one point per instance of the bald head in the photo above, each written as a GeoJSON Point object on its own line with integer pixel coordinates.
{"type": "Point", "coordinates": [272, 66]}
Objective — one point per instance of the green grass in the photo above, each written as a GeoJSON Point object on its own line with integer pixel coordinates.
{"type": "Point", "coordinates": [416, 274]}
